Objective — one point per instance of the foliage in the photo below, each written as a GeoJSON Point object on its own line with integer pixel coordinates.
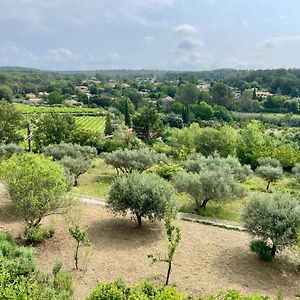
{"type": "Point", "coordinates": [269, 169]}
{"type": "Point", "coordinates": [10, 123]}
{"type": "Point", "coordinates": [127, 161]}
{"type": "Point", "coordinates": [174, 237]}
{"type": "Point", "coordinates": [197, 164]}
{"type": "Point", "coordinates": [144, 195]}
{"type": "Point", "coordinates": [262, 249]}
{"type": "Point", "coordinates": [274, 219]}
{"type": "Point", "coordinates": [187, 94]}
{"type": "Point", "coordinates": [145, 290]}
{"type": "Point", "coordinates": [8, 150]}
{"type": "Point", "coordinates": [296, 171]}
{"type": "Point", "coordinates": [148, 124]}
{"type": "Point", "coordinates": [59, 151]}
{"type": "Point", "coordinates": [36, 186]}
{"type": "Point", "coordinates": [167, 170]}
{"type": "Point", "coordinates": [252, 144]}
{"type": "Point", "coordinates": [53, 129]}
{"type": "Point", "coordinates": [81, 237]}
{"type": "Point", "coordinates": [20, 278]}
{"type": "Point", "coordinates": [108, 130]}
{"type": "Point", "coordinates": [209, 185]}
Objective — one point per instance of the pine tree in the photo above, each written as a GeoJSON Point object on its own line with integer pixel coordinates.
{"type": "Point", "coordinates": [108, 125]}
{"type": "Point", "coordinates": [127, 115]}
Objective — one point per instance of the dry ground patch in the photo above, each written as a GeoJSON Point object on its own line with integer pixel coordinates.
{"type": "Point", "coordinates": [209, 259]}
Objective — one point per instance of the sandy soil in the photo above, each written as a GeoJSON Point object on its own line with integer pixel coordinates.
{"type": "Point", "coordinates": [208, 260]}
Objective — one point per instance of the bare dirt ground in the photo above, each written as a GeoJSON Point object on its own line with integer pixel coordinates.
{"type": "Point", "coordinates": [209, 259]}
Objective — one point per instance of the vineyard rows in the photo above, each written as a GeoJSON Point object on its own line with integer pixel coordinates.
{"type": "Point", "coordinates": [95, 124]}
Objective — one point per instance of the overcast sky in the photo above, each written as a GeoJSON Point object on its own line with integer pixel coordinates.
{"type": "Point", "coordinates": [150, 34]}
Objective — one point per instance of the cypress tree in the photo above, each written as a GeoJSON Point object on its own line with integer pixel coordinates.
{"type": "Point", "coordinates": [127, 115]}
{"type": "Point", "coordinates": [108, 125]}
{"type": "Point", "coordinates": [186, 115]}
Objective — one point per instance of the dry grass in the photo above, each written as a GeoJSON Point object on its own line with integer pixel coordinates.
{"type": "Point", "coordinates": [208, 260]}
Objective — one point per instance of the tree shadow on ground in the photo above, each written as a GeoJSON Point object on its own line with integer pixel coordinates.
{"type": "Point", "coordinates": [246, 269]}
{"type": "Point", "coordinates": [8, 213]}
{"type": "Point", "coordinates": [122, 233]}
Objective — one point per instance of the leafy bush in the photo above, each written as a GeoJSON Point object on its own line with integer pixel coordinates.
{"type": "Point", "coordinates": [167, 170]}
{"type": "Point", "coordinates": [20, 279]}
{"type": "Point", "coordinates": [36, 185]}
{"type": "Point", "coordinates": [296, 171]}
{"type": "Point", "coordinates": [144, 195]}
{"type": "Point", "coordinates": [274, 219]}
{"type": "Point", "coordinates": [145, 290]}
{"type": "Point", "coordinates": [261, 249]}
{"type": "Point", "coordinates": [7, 150]}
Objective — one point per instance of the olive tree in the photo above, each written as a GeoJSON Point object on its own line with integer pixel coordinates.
{"type": "Point", "coordinates": [274, 219]}
{"type": "Point", "coordinates": [210, 185]}
{"type": "Point", "coordinates": [36, 185]}
{"type": "Point", "coordinates": [127, 161]}
{"type": "Point", "coordinates": [143, 195]}
{"type": "Point", "coordinates": [269, 169]}
{"type": "Point", "coordinates": [74, 158]}
{"type": "Point", "coordinates": [296, 171]}
{"type": "Point", "coordinates": [197, 163]}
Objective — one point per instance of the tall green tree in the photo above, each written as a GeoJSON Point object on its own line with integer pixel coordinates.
{"type": "Point", "coordinates": [108, 130]}
{"type": "Point", "coordinates": [127, 115]}
{"type": "Point", "coordinates": [10, 123]}
{"type": "Point", "coordinates": [54, 128]}
{"type": "Point", "coordinates": [148, 124]}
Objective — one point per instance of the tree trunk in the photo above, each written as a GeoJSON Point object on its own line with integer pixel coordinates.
{"type": "Point", "coordinates": [139, 219]}
{"type": "Point", "coordinates": [273, 250]}
{"type": "Point", "coordinates": [75, 180]}
{"type": "Point", "coordinates": [268, 185]}
{"type": "Point", "coordinates": [37, 222]}
{"type": "Point", "coordinates": [29, 137]}
{"type": "Point", "coordinates": [76, 255]}
{"type": "Point", "coordinates": [203, 204]}
{"type": "Point", "coordinates": [169, 272]}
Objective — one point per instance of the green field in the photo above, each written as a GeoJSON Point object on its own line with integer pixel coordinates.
{"type": "Point", "coordinates": [94, 124]}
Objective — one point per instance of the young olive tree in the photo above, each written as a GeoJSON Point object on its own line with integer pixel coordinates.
{"type": "Point", "coordinates": [127, 161]}
{"type": "Point", "coordinates": [274, 219]}
{"type": "Point", "coordinates": [80, 235]}
{"type": "Point", "coordinates": [174, 237]}
{"type": "Point", "coordinates": [36, 185]}
{"type": "Point", "coordinates": [269, 169]}
{"type": "Point", "coordinates": [209, 185]}
{"type": "Point", "coordinates": [143, 195]}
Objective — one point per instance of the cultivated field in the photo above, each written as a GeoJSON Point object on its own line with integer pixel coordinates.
{"type": "Point", "coordinates": [94, 124]}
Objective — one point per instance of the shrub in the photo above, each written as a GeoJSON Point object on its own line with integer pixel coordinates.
{"type": "Point", "coordinates": [7, 150]}
{"type": "Point", "coordinates": [145, 290]}
{"type": "Point", "coordinates": [144, 195]}
{"type": "Point", "coordinates": [274, 219]}
{"type": "Point", "coordinates": [36, 185]}
{"type": "Point", "coordinates": [296, 171]}
{"type": "Point", "coordinates": [167, 170]}
{"type": "Point", "coordinates": [261, 248]}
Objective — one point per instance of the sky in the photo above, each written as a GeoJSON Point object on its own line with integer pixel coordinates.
{"type": "Point", "coordinates": [150, 34]}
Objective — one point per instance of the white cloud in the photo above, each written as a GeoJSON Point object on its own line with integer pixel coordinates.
{"type": "Point", "coordinates": [277, 41]}
{"type": "Point", "coordinates": [185, 29]}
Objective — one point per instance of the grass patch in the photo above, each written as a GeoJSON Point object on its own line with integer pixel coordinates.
{"type": "Point", "coordinates": [96, 181]}
{"type": "Point", "coordinates": [229, 210]}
